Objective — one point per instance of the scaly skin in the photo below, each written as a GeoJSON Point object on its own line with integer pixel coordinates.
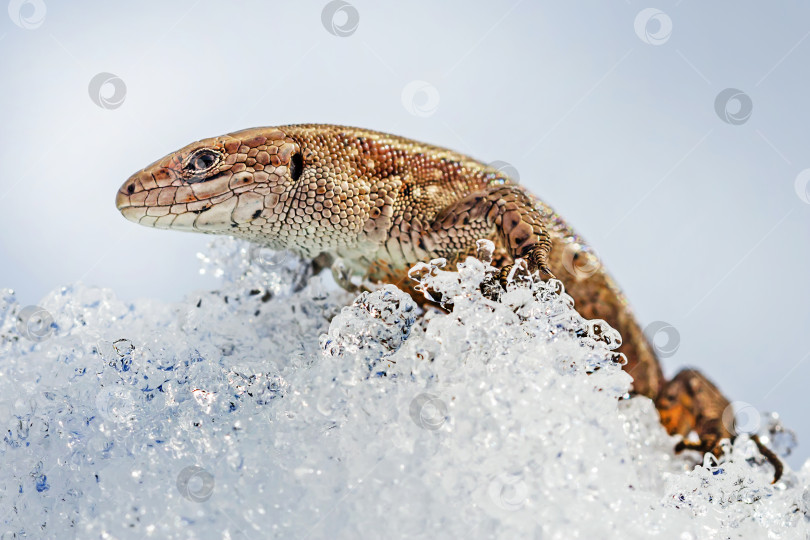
{"type": "Point", "coordinates": [382, 203]}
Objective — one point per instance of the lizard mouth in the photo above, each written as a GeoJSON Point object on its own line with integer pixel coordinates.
{"type": "Point", "coordinates": [211, 207]}
{"type": "Point", "coordinates": [139, 201]}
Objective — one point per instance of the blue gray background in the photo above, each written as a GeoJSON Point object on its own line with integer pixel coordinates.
{"type": "Point", "coordinates": [705, 223]}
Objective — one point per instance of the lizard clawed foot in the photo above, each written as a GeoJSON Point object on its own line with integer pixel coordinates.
{"type": "Point", "coordinates": [495, 283]}
{"type": "Point", "coordinates": [534, 263]}
{"type": "Point", "coordinates": [521, 273]}
{"type": "Point", "coordinates": [701, 446]}
{"type": "Point", "coordinates": [772, 458]}
{"type": "Point", "coordinates": [716, 450]}
{"type": "Point", "coordinates": [690, 402]}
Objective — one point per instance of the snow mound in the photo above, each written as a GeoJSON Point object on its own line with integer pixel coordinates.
{"type": "Point", "coordinates": [245, 413]}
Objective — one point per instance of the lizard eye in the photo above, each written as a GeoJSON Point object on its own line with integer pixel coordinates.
{"type": "Point", "coordinates": [201, 160]}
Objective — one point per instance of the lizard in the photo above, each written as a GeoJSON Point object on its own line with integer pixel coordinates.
{"type": "Point", "coordinates": [381, 203]}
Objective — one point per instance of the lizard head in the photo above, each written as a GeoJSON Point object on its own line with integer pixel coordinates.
{"type": "Point", "coordinates": [309, 188]}
{"type": "Point", "coordinates": [239, 184]}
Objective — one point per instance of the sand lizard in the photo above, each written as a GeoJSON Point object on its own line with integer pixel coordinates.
{"type": "Point", "coordinates": [382, 203]}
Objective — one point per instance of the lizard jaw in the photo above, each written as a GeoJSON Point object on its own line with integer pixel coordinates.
{"type": "Point", "coordinates": [160, 204]}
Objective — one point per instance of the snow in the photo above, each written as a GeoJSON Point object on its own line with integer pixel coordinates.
{"type": "Point", "coordinates": [245, 413]}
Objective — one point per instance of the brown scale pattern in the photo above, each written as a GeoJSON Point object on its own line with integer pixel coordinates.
{"type": "Point", "coordinates": [382, 203]}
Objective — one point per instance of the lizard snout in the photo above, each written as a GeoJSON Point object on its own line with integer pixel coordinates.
{"type": "Point", "coordinates": [121, 200]}
{"type": "Point", "coordinates": [122, 197]}
{"type": "Point", "coordinates": [131, 198]}
{"type": "Point", "coordinates": [149, 197]}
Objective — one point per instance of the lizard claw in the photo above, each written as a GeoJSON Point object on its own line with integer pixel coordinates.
{"type": "Point", "coordinates": [494, 284]}
{"type": "Point", "coordinates": [513, 272]}
{"type": "Point", "coordinates": [503, 275]}
{"type": "Point", "coordinates": [772, 458]}
{"type": "Point", "coordinates": [716, 449]}
{"type": "Point", "coordinates": [523, 270]}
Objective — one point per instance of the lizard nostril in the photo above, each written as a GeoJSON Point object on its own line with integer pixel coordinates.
{"type": "Point", "coordinates": [131, 189]}
{"type": "Point", "coordinates": [121, 200]}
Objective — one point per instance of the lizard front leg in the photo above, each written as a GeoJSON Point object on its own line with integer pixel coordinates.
{"type": "Point", "coordinates": [691, 402]}
{"type": "Point", "coordinates": [509, 213]}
